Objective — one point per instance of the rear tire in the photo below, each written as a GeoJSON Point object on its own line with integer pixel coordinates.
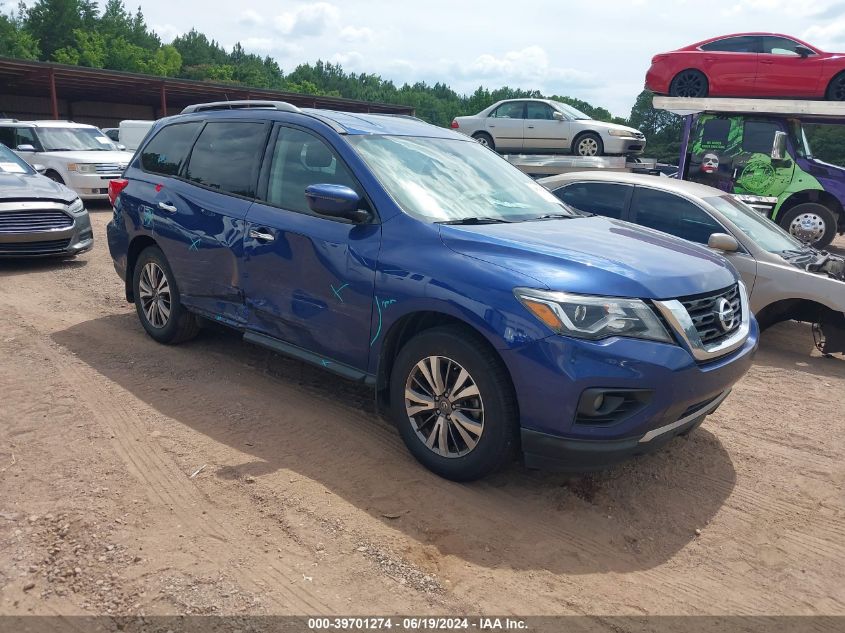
{"type": "Point", "coordinates": [485, 139]}
{"type": "Point", "coordinates": [588, 144]}
{"type": "Point", "coordinates": [836, 88]}
{"type": "Point", "coordinates": [157, 300]}
{"type": "Point", "coordinates": [810, 222]}
{"type": "Point", "coordinates": [448, 379]}
{"type": "Point", "coordinates": [689, 83]}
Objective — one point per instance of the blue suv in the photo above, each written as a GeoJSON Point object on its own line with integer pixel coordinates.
{"type": "Point", "coordinates": [487, 315]}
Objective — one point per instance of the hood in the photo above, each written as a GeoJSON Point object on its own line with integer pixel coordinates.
{"type": "Point", "coordinates": [92, 156]}
{"type": "Point", "coordinates": [595, 255]}
{"type": "Point", "coordinates": [612, 126]}
{"type": "Point", "coordinates": [34, 187]}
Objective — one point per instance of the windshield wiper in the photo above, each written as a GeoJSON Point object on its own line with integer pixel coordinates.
{"type": "Point", "coordinates": [476, 220]}
{"type": "Point", "coordinates": [60, 149]}
{"type": "Point", "coordinates": [553, 216]}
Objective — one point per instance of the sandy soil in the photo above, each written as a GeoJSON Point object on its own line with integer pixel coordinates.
{"type": "Point", "coordinates": [215, 477]}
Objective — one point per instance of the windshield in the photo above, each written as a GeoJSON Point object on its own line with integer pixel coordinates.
{"type": "Point", "coordinates": [442, 180]}
{"type": "Point", "coordinates": [56, 139]}
{"type": "Point", "coordinates": [799, 139]}
{"type": "Point", "coordinates": [765, 233]}
{"type": "Point", "coordinates": [569, 110]}
{"type": "Point", "coordinates": [11, 164]}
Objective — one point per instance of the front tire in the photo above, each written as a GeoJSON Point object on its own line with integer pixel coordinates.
{"type": "Point", "coordinates": [157, 300]}
{"type": "Point", "coordinates": [810, 222]}
{"type": "Point", "coordinates": [453, 403]}
{"type": "Point", "coordinates": [589, 144]}
{"type": "Point", "coordinates": [689, 83]}
{"type": "Point", "coordinates": [485, 139]}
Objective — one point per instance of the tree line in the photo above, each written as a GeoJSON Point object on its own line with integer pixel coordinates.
{"type": "Point", "coordinates": [76, 32]}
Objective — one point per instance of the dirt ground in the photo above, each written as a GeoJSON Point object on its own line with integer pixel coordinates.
{"type": "Point", "coordinates": [218, 478]}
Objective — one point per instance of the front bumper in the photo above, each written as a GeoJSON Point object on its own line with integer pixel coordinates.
{"type": "Point", "coordinates": [63, 243]}
{"type": "Point", "coordinates": [623, 145]}
{"type": "Point", "coordinates": [551, 375]}
{"type": "Point", "coordinates": [91, 186]}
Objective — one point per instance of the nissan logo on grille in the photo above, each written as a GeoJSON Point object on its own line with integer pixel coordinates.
{"type": "Point", "coordinates": [725, 314]}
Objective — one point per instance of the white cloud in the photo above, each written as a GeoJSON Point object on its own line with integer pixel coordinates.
{"type": "Point", "coordinates": [529, 67]}
{"type": "Point", "coordinates": [251, 18]}
{"type": "Point", "coordinates": [167, 32]}
{"type": "Point", "coordinates": [827, 36]}
{"type": "Point", "coordinates": [308, 20]}
{"type": "Point", "coordinates": [257, 44]}
{"type": "Point", "coordinates": [351, 60]}
{"type": "Point", "coordinates": [355, 34]}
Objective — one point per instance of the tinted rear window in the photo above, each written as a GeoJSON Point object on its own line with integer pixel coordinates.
{"type": "Point", "coordinates": [166, 153]}
{"type": "Point", "coordinates": [733, 45]}
{"type": "Point", "coordinates": [759, 136]}
{"type": "Point", "coordinates": [227, 155]}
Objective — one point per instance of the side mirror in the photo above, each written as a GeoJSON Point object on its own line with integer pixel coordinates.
{"type": "Point", "coordinates": [26, 148]}
{"type": "Point", "coordinates": [121, 147]}
{"type": "Point", "coordinates": [779, 146]}
{"type": "Point", "coordinates": [336, 201]}
{"type": "Point", "coordinates": [723, 242]}
{"type": "Point", "coordinates": [803, 51]}
{"type": "Point", "coordinates": [39, 168]}
{"type": "Point", "coordinates": [558, 116]}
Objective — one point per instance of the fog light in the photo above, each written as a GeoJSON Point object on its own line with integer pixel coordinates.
{"type": "Point", "coordinates": [606, 406]}
{"type": "Point", "coordinates": [598, 402]}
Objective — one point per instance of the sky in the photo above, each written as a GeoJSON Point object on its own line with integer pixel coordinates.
{"type": "Point", "coordinates": [595, 50]}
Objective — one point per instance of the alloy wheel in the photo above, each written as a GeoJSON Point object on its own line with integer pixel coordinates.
{"type": "Point", "coordinates": [155, 295]}
{"type": "Point", "coordinates": [482, 140]}
{"type": "Point", "coordinates": [808, 227]}
{"type": "Point", "coordinates": [588, 147]}
{"type": "Point", "coordinates": [837, 89]}
{"type": "Point", "coordinates": [689, 84]}
{"type": "Point", "coordinates": [444, 406]}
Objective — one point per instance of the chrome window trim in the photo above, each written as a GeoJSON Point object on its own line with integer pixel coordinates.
{"type": "Point", "coordinates": [679, 319]}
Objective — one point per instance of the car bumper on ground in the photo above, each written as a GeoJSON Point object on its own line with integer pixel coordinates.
{"type": "Point", "coordinates": [65, 242]}
{"type": "Point", "coordinates": [552, 377]}
{"type": "Point", "coordinates": [91, 186]}
{"type": "Point", "coordinates": [623, 145]}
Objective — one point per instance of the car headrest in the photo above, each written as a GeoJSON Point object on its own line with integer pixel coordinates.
{"type": "Point", "coordinates": [317, 156]}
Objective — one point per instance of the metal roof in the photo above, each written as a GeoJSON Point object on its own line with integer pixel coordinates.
{"type": "Point", "coordinates": [77, 83]}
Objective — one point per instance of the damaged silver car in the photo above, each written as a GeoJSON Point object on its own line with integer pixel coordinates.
{"type": "Point", "coordinates": [787, 280]}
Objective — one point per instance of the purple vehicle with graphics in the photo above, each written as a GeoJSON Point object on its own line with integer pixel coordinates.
{"type": "Point", "coordinates": [758, 150]}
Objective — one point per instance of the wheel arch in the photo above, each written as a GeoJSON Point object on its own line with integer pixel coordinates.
{"type": "Point", "coordinates": [830, 81]}
{"type": "Point", "coordinates": [818, 196]}
{"type": "Point", "coordinates": [804, 310]}
{"type": "Point", "coordinates": [687, 69]}
{"type": "Point", "coordinates": [136, 247]}
{"type": "Point", "coordinates": [408, 326]}
{"type": "Point", "coordinates": [580, 135]}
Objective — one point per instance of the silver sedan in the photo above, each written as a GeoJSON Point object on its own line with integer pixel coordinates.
{"type": "Point", "coordinates": [546, 126]}
{"type": "Point", "coordinates": [786, 279]}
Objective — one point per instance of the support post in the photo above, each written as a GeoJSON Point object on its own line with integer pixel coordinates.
{"type": "Point", "coordinates": [53, 97]}
{"type": "Point", "coordinates": [163, 100]}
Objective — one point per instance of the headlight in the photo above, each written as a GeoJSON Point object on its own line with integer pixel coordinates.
{"type": "Point", "coordinates": [76, 207]}
{"type": "Point", "coordinates": [83, 168]}
{"type": "Point", "coordinates": [593, 318]}
{"type": "Point", "coordinates": [627, 133]}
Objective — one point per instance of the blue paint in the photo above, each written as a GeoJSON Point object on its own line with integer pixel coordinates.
{"type": "Point", "coordinates": [387, 302]}
{"type": "Point", "coordinates": [378, 331]}
{"type": "Point", "coordinates": [325, 362]}
{"type": "Point", "coordinates": [337, 292]}
{"type": "Point", "coordinates": [147, 218]}
{"type": "Point", "coordinates": [195, 244]}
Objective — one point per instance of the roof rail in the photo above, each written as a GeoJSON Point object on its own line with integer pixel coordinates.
{"type": "Point", "coordinates": [283, 106]}
{"type": "Point", "coordinates": [4, 120]}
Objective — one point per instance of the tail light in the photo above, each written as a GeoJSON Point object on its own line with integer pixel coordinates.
{"type": "Point", "coordinates": [454, 124]}
{"type": "Point", "coordinates": [115, 187]}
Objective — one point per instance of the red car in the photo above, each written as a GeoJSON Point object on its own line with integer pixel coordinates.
{"type": "Point", "coordinates": [749, 65]}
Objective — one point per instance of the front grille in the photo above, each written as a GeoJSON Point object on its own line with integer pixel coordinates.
{"type": "Point", "coordinates": [33, 221]}
{"type": "Point", "coordinates": [110, 168]}
{"type": "Point", "coordinates": [704, 310]}
{"type": "Point", "coordinates": [33, 248]}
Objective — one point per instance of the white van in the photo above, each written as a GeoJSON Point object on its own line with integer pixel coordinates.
{"type": "Point", "coordinates": [133, 132]}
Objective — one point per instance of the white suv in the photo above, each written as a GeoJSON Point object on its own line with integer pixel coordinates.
{"type": "Point", "coordinates": [77, 155]}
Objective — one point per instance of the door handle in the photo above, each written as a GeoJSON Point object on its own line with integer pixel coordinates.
{"type": "Point", "coordinates": [166, 206]}
{"type": "Point", "coordinates": [490, 125]}
{"type": "Point", "coordinates": [261, 235]}
{"type": "Point", "coordinates": [530, 127]}
{"type": "Point", "coordinates": [768, 62]}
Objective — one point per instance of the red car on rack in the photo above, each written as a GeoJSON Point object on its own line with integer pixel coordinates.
{"type": "Point", "coordinates": [749, 65]}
